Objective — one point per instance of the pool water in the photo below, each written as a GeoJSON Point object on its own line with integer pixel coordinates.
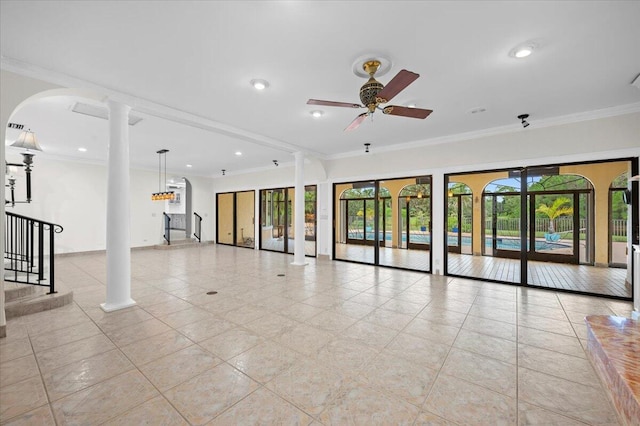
{"type": "Point", "coordinates": [503, 243]}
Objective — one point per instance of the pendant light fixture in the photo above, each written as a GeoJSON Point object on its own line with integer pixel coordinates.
{"type": "Point", "coordinates": [166, 195]}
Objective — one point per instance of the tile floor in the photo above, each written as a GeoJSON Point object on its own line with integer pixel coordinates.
{"type": "Point", "coordinates": [329, 343]}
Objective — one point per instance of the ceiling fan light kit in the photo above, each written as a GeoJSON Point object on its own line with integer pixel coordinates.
{"type": "Point", "coordinates": [373, 94]}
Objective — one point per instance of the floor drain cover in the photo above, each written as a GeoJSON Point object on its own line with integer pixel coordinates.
{"type": "Point", "coordinates": [212, 292]}
{"type": "Point", "coordinates": [281, 275]}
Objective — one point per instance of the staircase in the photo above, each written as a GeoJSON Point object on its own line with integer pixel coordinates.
{"type": "Point", "coordinates": [29, 267]}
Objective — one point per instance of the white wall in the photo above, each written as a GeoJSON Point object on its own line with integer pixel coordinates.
{"type": "Point", "coordinates": [72, 195]}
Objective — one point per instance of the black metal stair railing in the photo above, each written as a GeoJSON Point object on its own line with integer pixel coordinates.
{"type": "Point", "coordinates": [167, 228]}
{"type": "Point", "coordinates": [198, 226]}
{"type": "Point", "coordinates": [29, 251]}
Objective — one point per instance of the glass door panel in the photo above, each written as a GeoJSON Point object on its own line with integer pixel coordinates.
{"type": "Point", "coordinates": [244, 218]}
{"type": "Point", "coordinates": [554, 231]}
{"type": "Point", "coordinates": [453, 224]}
{"type": "Point", "coordinates": [224, 214]}
{"type": "Point", "coordinates": [310, 220]}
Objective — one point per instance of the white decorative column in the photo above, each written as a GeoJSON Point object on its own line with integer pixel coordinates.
{"type": "Point", "coordinates": [118, 211]}
{"type": "Point", "coordinates": [298, 248]}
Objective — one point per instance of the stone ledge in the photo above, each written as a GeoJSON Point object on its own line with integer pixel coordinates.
{"type": "Point", "coordinates": [613, 346]}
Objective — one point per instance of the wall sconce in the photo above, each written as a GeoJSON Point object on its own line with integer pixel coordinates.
{"type": "Point", "coordinates": [419, 194]}
{"type": "Point", "coordinates": [28, 141]}
{"type": "Point", "coordinates": [449, 193]}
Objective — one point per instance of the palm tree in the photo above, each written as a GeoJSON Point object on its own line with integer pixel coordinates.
{"type": "Point", "coordinates": [556, 210]}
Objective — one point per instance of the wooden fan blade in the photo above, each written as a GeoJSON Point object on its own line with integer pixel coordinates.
{"type": "Point", "coordinates": [396, 85]}
{"type": "Point", "coordinates": [332, 103]}
{"type": "Point", "coordinates": [356, 123]}
{"type": "Point", "coordinates": [407, 112]}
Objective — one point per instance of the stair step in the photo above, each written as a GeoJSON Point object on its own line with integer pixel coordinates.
{"type": "Point", "coordinates": [38, 301]}
{"type": "Point", "coordinates": [13, 291]}
{"type": "Point", "coordinates": [178, 244]}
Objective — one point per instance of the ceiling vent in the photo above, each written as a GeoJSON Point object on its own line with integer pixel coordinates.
{"type": "Point", "coordinates": [100, 112]}
{"type": "Point", "coordinates": [15, 126]}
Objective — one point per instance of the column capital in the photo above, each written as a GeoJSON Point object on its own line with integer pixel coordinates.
{"type": "Point", "coordinates": [118, 106]}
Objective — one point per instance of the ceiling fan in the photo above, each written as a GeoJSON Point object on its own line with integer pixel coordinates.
{"type": "Point", "coordinates": [373, 94]}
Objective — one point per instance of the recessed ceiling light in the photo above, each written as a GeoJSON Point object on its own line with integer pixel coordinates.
{"type": "Point", "coordinates": [259, 84]}
{"type": "Point", "coordinates": [82, 149]}
{"type": "Point", "coordinates": [189, 165]}
{"type": "Point", "coordinates": [317, 114]}
{"type": "Point", "coordinates": [523, 50]}
{"type": "Point", "coordinates": [238, 153]}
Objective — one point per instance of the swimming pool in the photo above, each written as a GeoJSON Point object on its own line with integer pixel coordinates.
{"type": "Point", "coordinates": [503, 243]}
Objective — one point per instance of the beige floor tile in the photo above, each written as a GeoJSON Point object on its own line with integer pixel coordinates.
{"type": "Point", "coordinates": [300, 311]}
{"type": "Point", "coordinates": [175, 368]}
{"type": "Point", "coordinates": [165, 308]}
{"type": "Point", "coordinates": [265, 361]}
{"type": "Point", "coordinates": [231, 343]}
{"type": "Point", "coordinates": [105, 400]}
{"type": "Point", "coordinates": [63, 336]}
{"type": "Point", "coordinates": [305, 339]}
{"type": "Point", "coordinates": [490, 327]}
{"type": "Point", "coordinates": [246, 314]}
{"type": "Point", "coordinates": [370, 334]}
{"type": "Point", "coordinates": [403, 307]}
{"type": "Point", "coordinates": [331, 321]}
{"type": "Point", "coordinates": [551, 341]}
{"type": "Point", "coordinates": [50, 322]}
{"type": "Point", "coordinates": [481, 370]}
{"type": "Point", "coordinates": [426, 418]}
{"type": "Point", "coordinates": [466, 403]}
{"type": "Point", "coordinates": [442, 316]}
{"type": "Point", "coordinates": [546, 324]}
{"type": "Point", "coordinates": [18, 369]}
{"type": "Point", "coordinates": [557, 364]}
{"type": "Point", "coordinates": [389, 319]}
{"type": "Point", "coordinates": [556, 313]}
{"type": "Point", "coordinates": [308, 385]}
{"type": "Point", "coordinates": [39, 417]}
{"type": "Point", "coordinates": [360, 405]}
{"type": "Point", "coordinates": [156, 411]}
{"type": "Point", "coordinates": [405, 379]}
{"type": "Point", "coordinates": [345, 355]}
{"type": "Point", "coordinates": [21, 397]}
{"type": "Point", "coordinates": [133, 333]}
{"type": "Point", "coordinates": [207, 395]}
{"type": "Point", "coordinates": [585, 403]}
{"type": "Point", "coordinates": [531, 415]}
{"type": "Point", "coordinates": [271, 325]}
{"type": "Point", "coordinates": [184, 317]}
{"type": "Point", "coordinates": [424, 352]}
{"type": "Point", "coordinates": [144, 351]}
{"type": "Point", "coordinates": [353, 309]}
{"type": "Point", "coordinates": [490, 312]}
{"type": "Point", "coordinates": [432, 331]}
{"type": "Point", "coordinates": [262, 407]}
{"type": "Point", "coordinates": [154, 298]}
{"type": "Point", "coordinates": [84, 373]}
{"type": "Point", "coordinates": [113, 321]}
{"type": "Point", "coordinates": [201, 330]}
{"type": "Point", "coordinates": [494, 347]}
{"type": "Point", "coordinates": [53, 358]}
{"type": "Point", "coordinates": [16, 348]}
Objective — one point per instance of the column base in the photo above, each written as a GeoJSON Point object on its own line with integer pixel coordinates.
{"type": "Point", "coordinates": [110, 307]}
{"type": "Point", "coordinates": [300, 263]}
{"type": "Point", "coordinates": [635, 315]}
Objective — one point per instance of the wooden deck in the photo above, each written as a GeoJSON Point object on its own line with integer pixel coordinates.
{"type": "Point", "coordinates": [582, 278]}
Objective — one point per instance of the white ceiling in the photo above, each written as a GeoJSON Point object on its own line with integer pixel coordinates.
{"type": "Point", "coordinates": [198, 58]}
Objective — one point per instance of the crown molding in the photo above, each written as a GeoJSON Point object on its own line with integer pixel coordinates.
{"type": "Point", "coordinates": [148, 107]}
{"type": "Point", "coordinates": [495, 131]}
